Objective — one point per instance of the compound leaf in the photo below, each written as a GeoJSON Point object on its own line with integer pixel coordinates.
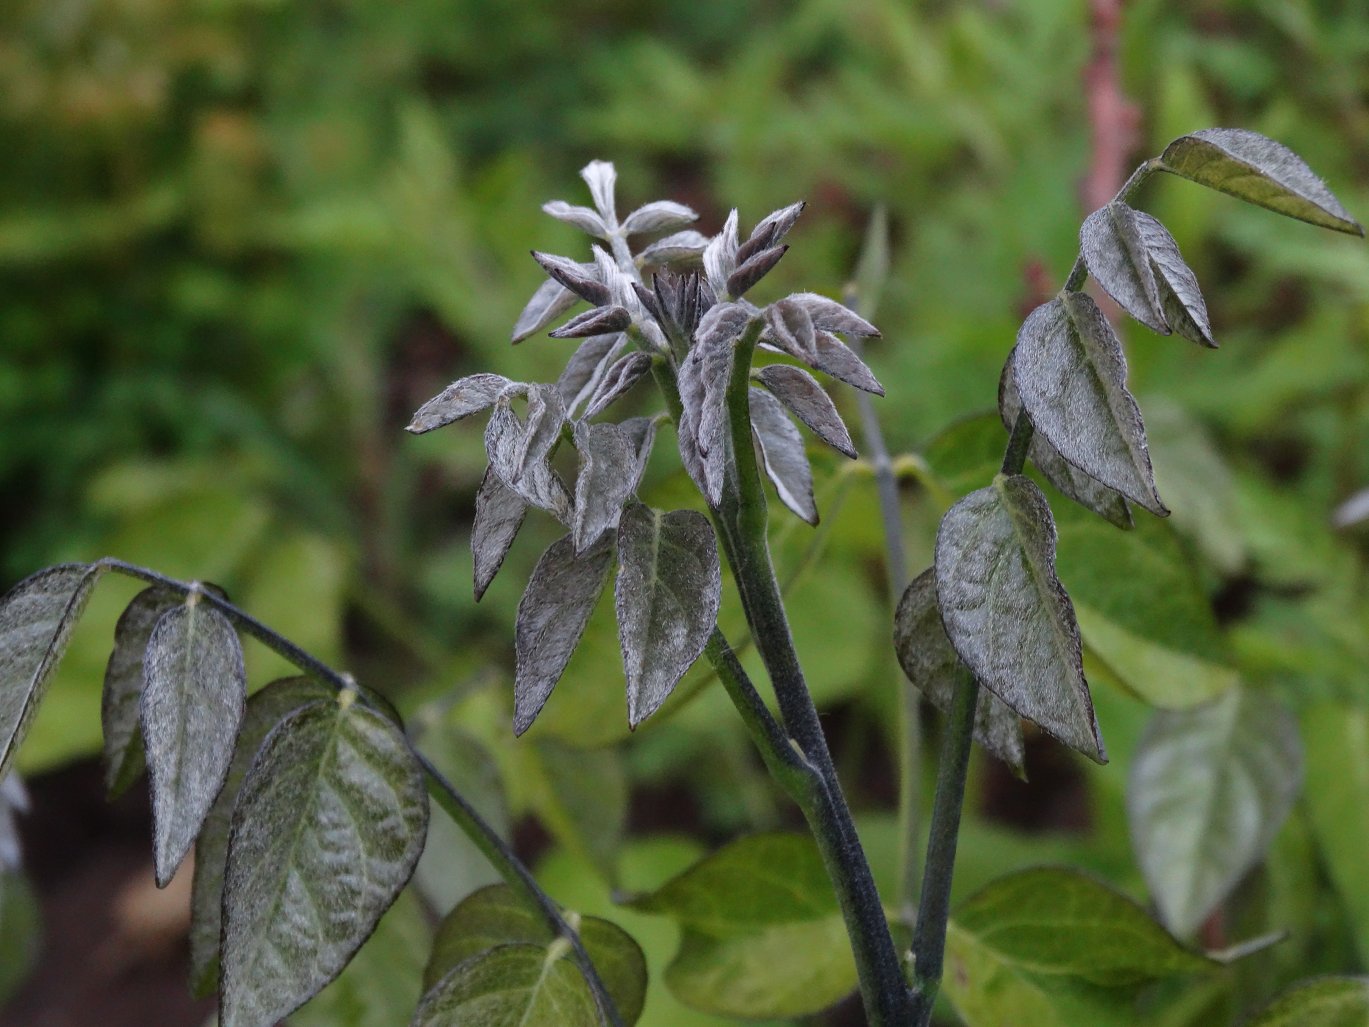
{"type": "Point", "coordinates": [1006, 613]}
{"type": "Point", "coordinates": [194, 691]}
{"type": "Point", "coordinates": [1208, 790]}
{"type": "Point", "coordinates": [667, 596]}
{"type": "Point", "coordinates": [1256, 169]}
{"type": "Point", "coordinates": [782, 452]}
{"type": "Point", "coordinates": [326, 832]}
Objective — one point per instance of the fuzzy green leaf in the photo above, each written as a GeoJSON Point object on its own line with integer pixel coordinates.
{"type": "Point", "coordinates": [1325, 1002]}
{"type": "Point", "coordinates": [123, 688]}
{"type": "Point", "coordinates": [1114, 250]}
{"type": "Point", "coordinates": [510, 986]}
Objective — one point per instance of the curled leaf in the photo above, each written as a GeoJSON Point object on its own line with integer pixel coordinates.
{"type": "Point", "coordinates": [658, 217]}
{"type": "Point", "coordinates": [123, 687]}
{"type": "Point", "coordinates": [720, 256]}
{"type": "Point", "coordinates": [685, 247]}
{"type": "Point", "coordinates": [626, 372]}
{"type": "Point", "coordinates": [462, 398]}
{"type": "Point", "coordinates": [1180, 298]}
{"type": "Point", "coordinates": [584, 371]}
{"type": "Point", "coordinates": [769, 231]}
{"type": "Point", "coordinates": [583, 218]}
{"type": "Point", "coordinates": [518, 450]}
{"type": "Point", "coordinates": [752, 271]}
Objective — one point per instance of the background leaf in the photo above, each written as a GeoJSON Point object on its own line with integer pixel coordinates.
{"type": "Point", "coordinates": [510, 986]}
{"type": "Point", "coordinates": [1327, 1002]}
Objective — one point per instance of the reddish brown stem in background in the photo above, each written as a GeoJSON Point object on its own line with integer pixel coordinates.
{"type": "Point", "coordinates": [1114, 121]}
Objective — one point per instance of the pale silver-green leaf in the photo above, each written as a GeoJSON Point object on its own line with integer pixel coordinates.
{"type": "Point", "coordinates": [608, 475]}
{"type": "Point", "coordinates": [194, 691]}
{"type": "Point", "coordinates": [581, 279]}
{"type": "Point", "coordinates": [659, 216]}
{"type": "Point", "coordinates": [123, 687]}
{"type": "Point", "coordinates": [801, 393]}
{"type": "Point", "coordinates": [1180, 298]}
{"type": "Point", "coordinates": [685, 247]}
{"type": "Point", "coordinates": [598, 321]}
{"type": "Point", "coordinates": [328, 826]}
{"type": "Point", "coordinates": [1006, 613]}
{"type": "Point", "coordinates": [462, 398]}
{"type": "Point", "coordinates": [601, 177]}
{"type": "Point", "coordinates": [783, 454]}
{"type": "Point", "coordinates": [1115, 253]}
{"type": "Point", "coordinates": [550, 301]}
{"type": "Point", "coordinates": [625, 372]}
{"type": "Point", "coordinates": [552, 615]}
{"type": "Point", "coordinates": [518, 450]}
{"type": "Point", "coordinates": [833, 357]}
{"type": "Point", "coordinates": [499, 513]}
{"type": "Point", "coordinates": [720, 256]}
{"type": "Point", "coordinates": [580, 378]}
{"type": "Point", "coordinates": [667, 595]}
{"type": "Point", "coordinates": [587, 220]}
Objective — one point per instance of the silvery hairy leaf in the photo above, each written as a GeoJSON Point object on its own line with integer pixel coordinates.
{"type": "Point", "coordinates": [720, 256]}
{"type": "Point", "coordinates": [799, 391]}
{"type": "Point", "coordinates": [588, 221]}
{"type": "Point", "coordinates": [599, 321]}
{"type": "Point", "coordinates": [752, 271]}
{"type": "Point", "coordinates": [641, 432]}
{"type": "Point", "coordinates": [626, 372]}
{"type": "Point", "coordinates": [601, 176]}
{"type": "Point", "coordinates": [550, 301]}
{"type": "Point", "coordinates": [37, 618]}
{"type": "Point", "coordinates": [782, 452]}
{"type": "Point", "coordinates": [667, 595]}
{"type": "Point", "coordinates": [1258, 170]}
{"type": "Point", "coordinates": [608, 475]}
{"type": "Point", "coordinates": [194, 691]}
{"type": "Point", "coordinates": [1115, 252]}
{"type": "Point", "coordinates": [552, 615]}
{"type": "Point", "coordinates": [833, 357]}
{"type": "Point", "coordinates": [789, 328]}
{"type": "Point", "coordinates": [1072, 379]}
{"type": "Point", "coordinates": [499, 513]}
{"type": "Point", "coordinates": [123, 686]}
{"type": "Point", "coordinates": [658, 217]}
{"type": "Point", "coordinates": [1072, 482]}
{"type": "Point", "coordinates": [685, 247]}
{"type": "Point", "coordinates": [831, 316]}
{"type": "Point", "coordinates": [265, 709]}
{"type": "Point", "coordinates": [927, 657]}
{"type": "Point", "coordinates": [1208, 790]}
{"type": "Point", "coordinates": [518, 450]}
{"type": "Point", "coordinates": [1007, 614]}
{"type": "Point", "coordinates": [769, 231]}
{"type": "Point", "coordinates": [327, 829]}
{"type": "Point", "coordinates": [583, 372]}
{"type": "Point", "coordinates": [704, 377]}
{"type": "Point", "coordinates": [581, 279]}
{"type": "Point", "coordinates": [462, 398]}
{"type": "Point", "coordinates": [1180, 298]}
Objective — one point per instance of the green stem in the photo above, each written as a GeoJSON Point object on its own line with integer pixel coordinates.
{"type": "Point", "coordinates": [481, 834]}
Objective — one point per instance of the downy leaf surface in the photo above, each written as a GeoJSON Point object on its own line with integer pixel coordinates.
{"type": "Point", "coordinates": [602, 177]}
{"type": "Point", "coordinates": [1256, 169]}
{"type": "Point", "coordinates": [327, 829]}
{"type": "Point", "coordinates": [1006, 613]}
{"type": "Point", "coordinates": [1208, 790]}
{"type": "Point", "coordinates": [1115, 252]}
{"type": "Point", "coordinates": [704, 377]}
{"type": "Point", "coordinates": [588, 221]}
{"type": "Point", "coordinates": [800, 392]}
{"type": "Point", "coordinates": [194, 691]}
{"type": "Point", "coordinates": [583, 373]}
{"type": "Point", "coordinates": [123, 687]}
{"type": "Point", "coordinates": [720, 256]}
{"type": "Point", "coordinates": [1180, 298]}
{"type": "Point", "coordinates": [608, 475]}
{"type": "Point", "coordinates": [37, 618]}
{"type": "Point", "coordinates": [625, 372]}
{"type": "Point", "coordinates": [518, 450]}
{"type": "Point", "coordinates": [499, 513]}
{"type": "Point", "coordinates": [762, 933]}
{"type": "Point", "coordinates": [659, 216]}
{"type": "Point", "coordinates": [783, 453]}
{"type": "Point", "coordinates": [556, 605]}
{"type": "Point", "coordinates": [667, 596]}
{"type": "Point", "coordinates": [1071, 377]}
{"type": "Point", "coordinates": [494, 916]}
{"type": "Point", "coordinates": [460, 399]}
{"type": "Point", "coordinates": [265, 709]}
{"type": "Point", "coordinates": [549, 302]}
{"type": "Point", "coordinates": [927, 657]}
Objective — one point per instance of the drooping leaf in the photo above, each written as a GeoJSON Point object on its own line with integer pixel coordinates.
{"type": "Point", "coordinates": [556, 605]}
{"type": "Point", "coordinates": [720, 256]}
{"type": "Point", "coordinates": [800, 392]}
{"type": "Point", "coordinates": [1072, 482]}
{"type": "Point", "coordinates": [789, 328]}
{"type": "Point", "coordinates": [660, 216]}
{"type": "Point", "coordinates": [762, 931]}
{"type": "Point", "coordinates": [927, 657]}
{"type": "Point", "coordinates": [328, 826]}
{"type": "Point", "coordinates": [1180, 298]}
{"type": "Point", "coordinates": [494, 916]}
{"type": "Point", "coordinates": [462, 398]}
{"type": "Point", "coordinates": [1142, 610]}
{"type": "Point", "coordinates": [518, 450]}
{"type": "Point", "coordinates": [1256, 169]}
{"type": "Point", "coordinates": [1006, 613]}
{"type": "Point", "coordinates": [37, 618]}
{"type": "Point", "coordinates": [194, 692]}
{"type": "Point", "coordinates": [1115, 253]}
{"type": "Point", "coordinates": [608, 475]}
{"type": "Point", "coordinates": [584, 371]}
{"type": "Point", "coordinates": [626, 372]}
{"type": "Point", "coordinates": [1055, 948]}
{"type": "Point", "coordinates": [123, 740]}
{"type": "Point", "coordinates": [1208, 790]}
{"type": "Point", "coordinates": [685, 247]}
{"type": "Point", "coordinates": [583, 218]}
{"type": "Point", "coordinates": [1323, 1001]}
{"type": "Point", "coordinates": [1071, 377]}
{"type": "Point", "coordinates": [265, 709]}
{"type": "Point", "coordinates": [782, 452]}
{"type": "Point", "coordinates": [667, 595]}
{"type": "Point", "coordinates": [499, 513]}
{"type": "Point", "coordinates": [510, 986]}
{"type": "Point", "coordinates": [598, 321]}
{"type": "Point", "coordinates": [601, 177]}
{"type": "Point", "coordinates": [550, 301]}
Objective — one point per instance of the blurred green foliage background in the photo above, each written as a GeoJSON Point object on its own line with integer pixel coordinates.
{"type": "Point", "coordinates": [241, 240]}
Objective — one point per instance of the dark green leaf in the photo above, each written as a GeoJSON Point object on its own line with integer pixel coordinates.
{"type": "Point", "coordinates": [1115, 252]}
{"type": "Point", "coordinates": [1323, 1002]}
{"type": "Point", "coordinates": [667, 596]}
{"type": "Point", "coordinates": [37, 618]}
{"type": "Point", "coordinates": [265, 709]}
{"type": "Point", "coordinates": [123, 741]}
{"type": "Point", "coordinates": [499, 513]}
{"type": "Point", "coordinates": [1072, 379]}
{"type": "Point", "coordinates": [1208, 790]}
{"type": "Point", "coordinates": [510, 986]}
{"type": "Point", "coordinates": [494, 916]}
{"type": "Point", "coordinates": [762, 931]}
{"type": "Point", "coordinates": [1007, 615]}
{"type": "Point", "coordinates": [931, 664]}
{"type": "Point", "coordinates": [1258, 170]}
{"type": "Point", "coordinates": [460, 399]}
{"type": "Point", "coordinates": [327, 829]}
{"type": "Point", "coordinates": [800, 392]}
{"type": "Point", "coordinates": [783, 453]}
{"type": "Point", "coordinates": [556, 605]}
